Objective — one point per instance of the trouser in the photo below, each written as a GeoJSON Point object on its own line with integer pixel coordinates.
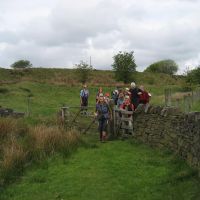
{"type": "Point", "coordinates": [102, 127]}
{"type": "Point", "coordinates": [84, 103]}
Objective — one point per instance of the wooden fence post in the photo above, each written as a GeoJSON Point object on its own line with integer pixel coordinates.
{"type": "Point", "coordinates": [114, 121]}
{"type": "Point", "coordinates": [186, 104]}
{"type": "Point", "coordinates": [190, 102]}
{"type": "Point", "coordinates": [28, 106]}
{"type": "Point", "coordinates": [63, 114]}
{"type": "Point", "coordinates": [178, 103]}
{"type": "Point", "coordinates": [168, 99]}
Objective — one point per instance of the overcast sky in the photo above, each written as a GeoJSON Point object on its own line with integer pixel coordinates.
{"type": "Point", "coordinates": [60, 33]}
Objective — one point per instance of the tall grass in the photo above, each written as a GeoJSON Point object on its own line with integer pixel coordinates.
{"type": "Point", "coordinates": [35, 144]}
{"type": "Point", "coordinates": [13, 159]}
{"type": "Point", "coordinates": [9, 126]}
{"type": "Point", "coordinates": [48, 140]}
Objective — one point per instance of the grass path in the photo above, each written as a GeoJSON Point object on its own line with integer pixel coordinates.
{"type": "Point", "coordinates": [118, 170]}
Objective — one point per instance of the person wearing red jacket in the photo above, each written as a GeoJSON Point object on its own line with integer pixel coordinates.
{"type": "Point", "coordinates": [144, 96]}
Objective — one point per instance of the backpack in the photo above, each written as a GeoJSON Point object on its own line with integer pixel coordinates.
{"type": "Point", "coordinates": [115, 97]}
{"type": "Point", "coordinates": [103, 111]}
{"type": "Point", "coordinates": [85, 94]}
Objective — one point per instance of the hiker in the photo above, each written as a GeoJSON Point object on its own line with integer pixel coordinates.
{"type": "Point", "coordinates": [107, 97]}
{"type": "Point", "coordinates": [128, 106]}
{"type": "Point", "coordinates": [144, 98]}
{"type": "Point", "coordinates": [100, 91]}
{"type": "Point", "coordinates": [120, 100]}
{"type": "Point", "coordinates": [135, 94]}
{"type": "Point", "coordinates": [127, 93]}
{"type": "Point", "coordinates": [103, 114]}
{"type": "Point", "coordinates": [115, 95]}
{"type": "Point", "coordinates": [84, 95]}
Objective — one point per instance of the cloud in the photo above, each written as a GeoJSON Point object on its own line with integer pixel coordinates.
{"type": "Point", "coordinates": [63, 32]}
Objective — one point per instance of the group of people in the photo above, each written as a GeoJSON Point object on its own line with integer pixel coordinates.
{"type": "Point", "coordinates": [126, 99]}
{"type": "Point", "coordinates": [129, 99]}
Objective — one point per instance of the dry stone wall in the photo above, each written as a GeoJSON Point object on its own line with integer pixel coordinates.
{"type": "Point", "coordinates": [170, 128]}
{"type": "Point", "coordinates": [7, 112]}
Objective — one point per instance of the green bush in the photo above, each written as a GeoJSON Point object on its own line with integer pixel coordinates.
{"type": "Point", "coordinates": [124, 66]}
{"type": "Point", "coordinates": [193, 76]}
{"type": "Point", "coordinates": [21, 64]}
{"type": "Point", "coordinates": [163, 66]}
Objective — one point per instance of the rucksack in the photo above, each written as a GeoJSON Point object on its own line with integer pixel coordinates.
{"type": "Point", "coordinates": [85, 95]}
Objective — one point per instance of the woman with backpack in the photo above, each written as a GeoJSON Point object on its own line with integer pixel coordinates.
{"type": "Point", "coordinates": [103, 114]}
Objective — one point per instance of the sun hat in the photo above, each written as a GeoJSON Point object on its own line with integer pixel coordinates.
{"type": "Point", "coordinates": [101, 95]}
{"type": "Point", "coordinates": [133, 84]}
{"type": "Point", "coordinates": [127, 97]}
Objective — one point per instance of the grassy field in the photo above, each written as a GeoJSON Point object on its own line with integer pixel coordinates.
{"type": "Point", "coordinates": [63, 86]}
{"type": "Point", "coordinates": [46, 99]}
{"type": "Point", "coordinates": [114, 170]}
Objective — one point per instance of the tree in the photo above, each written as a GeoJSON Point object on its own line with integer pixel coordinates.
{"type": "Point", "coordinates": [164, 66]}
{"type": "Point", "coordinates": [83, 71]}
{"type": "Point", "coordinates": [21, 64]}
{"type": "Point", "coordinates": [123, 66]}
{"type": "Point", "coordinates": [193, 76]}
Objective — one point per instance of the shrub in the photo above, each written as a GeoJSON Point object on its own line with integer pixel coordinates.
{"type": "Point", "coordinates": [164, 66]}
{"type": "Point", "coordinates": [13, 159]}
{"type": "Point", "coordinates": [9, 126]}
{"type": "Point", "coordinates": [21, 64]}
{"type": "Point", "coordinates": [193, 76]}
{"type": "Point", "coordinates": [83, 71]}
{"type": "Point", "coordinates": [48, 140]}
{"type": "Point", "coordinates": [20, 145]}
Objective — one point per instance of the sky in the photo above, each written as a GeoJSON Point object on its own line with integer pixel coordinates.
{"type": "Point", "coordinates": [61, 33]}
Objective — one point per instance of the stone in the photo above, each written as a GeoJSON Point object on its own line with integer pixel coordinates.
{"type": "Point", "coordinates": [168, 127]}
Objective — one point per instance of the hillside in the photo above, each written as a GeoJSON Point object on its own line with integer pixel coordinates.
{"type": "Point", "coordinates": [61, 86]}
{"type": "Point", "coordinates": [98, 77]}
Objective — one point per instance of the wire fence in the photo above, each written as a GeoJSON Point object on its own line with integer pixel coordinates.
{"type": "Point", "coordinates": [183, 101]}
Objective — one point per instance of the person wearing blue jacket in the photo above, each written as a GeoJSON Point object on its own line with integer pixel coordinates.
{"type": "Point", "coordinates": [103, 114]}
{"type": "Point", "coordinates": [84, 95]}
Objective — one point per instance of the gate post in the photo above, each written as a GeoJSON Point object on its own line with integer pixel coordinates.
{"type": "Point", "coordinates": [168, 95]}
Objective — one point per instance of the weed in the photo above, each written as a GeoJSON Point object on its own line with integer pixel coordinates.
{"type": "Point", "coordinates": [22, 145]}
{"type": "Point", "coordinates": [13, 159]}
{"type": "Point", "coordinates": [9, 126]}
